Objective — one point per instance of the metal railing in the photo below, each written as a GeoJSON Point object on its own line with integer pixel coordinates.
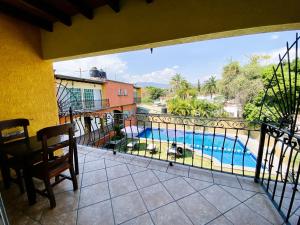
{"type": "Point", "coordinates": [278, 168]}
{"type": "Point", "coordinates": [85, 105]}
{"type": "Point", "coordinates": [217, 144]}
{"type": "Point", "coordinates": [269, 155]}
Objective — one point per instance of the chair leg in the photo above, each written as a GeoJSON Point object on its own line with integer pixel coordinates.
{"type": "Point", "coordinates": [50, 193]}
{"type": "Point", "coordinates": [20, 181]}
{"type": "Point", "coordinates": [5, 171]}
{"type": "Point", "coordinates": [74, 178]}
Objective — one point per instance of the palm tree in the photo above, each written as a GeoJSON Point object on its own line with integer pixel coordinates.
{"type": "Point", "coordinates": [183, 89]}
{"type": "Point", "coordinates": [210, 86]}
{"type": "Point", "coordinates": [175, 82]}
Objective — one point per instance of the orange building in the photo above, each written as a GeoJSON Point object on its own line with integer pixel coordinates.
{"type": "Point", "coordinates": [120, 95]}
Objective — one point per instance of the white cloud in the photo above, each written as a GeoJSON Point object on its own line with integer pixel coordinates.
{"type": "Point", "coordinates": [115, 67]}
{"type": "Point", "coordinates": [160, 76]}
{"type": "Point", "coordinates": [112, 64]}
{"type": "Point", "coordinates": [274, 55]}
{"type": "Point", "coordinates": [274, 37]}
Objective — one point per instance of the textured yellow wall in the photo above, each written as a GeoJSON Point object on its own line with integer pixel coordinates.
{"type": "Point", "coordinates": [163, 22]}
{"type": "Point", "coordinates": [27, 87]}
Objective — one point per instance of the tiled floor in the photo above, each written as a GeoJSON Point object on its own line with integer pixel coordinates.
{"type": "Point", "coordinates": [122, 189]}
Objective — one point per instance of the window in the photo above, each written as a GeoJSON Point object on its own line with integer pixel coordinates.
{"type": "Point", "coordinates": [97, 99]}
{"type": "Point", "coordinates": [75, 98]}
{"type": "Point", "coordinates": [88, 95]}
{"type": "Point", "coordinates": [125, 92]}
{"type": "Point", "coordinates": [120, 92]}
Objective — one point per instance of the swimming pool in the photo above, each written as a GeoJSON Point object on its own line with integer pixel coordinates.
{"type": "Point", "coordinates": [207, 140]}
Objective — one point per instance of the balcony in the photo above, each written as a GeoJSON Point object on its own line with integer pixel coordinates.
{"type": "Point", "coordinates": [128, 189]}
{"type": "Point", "coordinates": [233, 153]}
{"type": "Point", "coordinates": [85, 105]}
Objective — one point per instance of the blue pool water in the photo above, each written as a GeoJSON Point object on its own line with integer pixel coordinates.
{"type": "Point", "coordinates": [239, 148]}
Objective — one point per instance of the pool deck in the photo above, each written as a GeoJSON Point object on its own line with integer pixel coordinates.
{"type": "Point", "coordinates": [128, 190]}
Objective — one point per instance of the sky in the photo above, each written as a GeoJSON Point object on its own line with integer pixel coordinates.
{"type": "Point", "coordinates": [195, 61]}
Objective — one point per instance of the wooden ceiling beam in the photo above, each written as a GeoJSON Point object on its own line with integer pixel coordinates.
{"type": "Point", "coordinates": [83, 8]}
{"type": "Point", "coordinates": [26, 16]}
{"type": "Point", "coordinates": [49, 9]}
{"type": "Point", "coordinates": [114, 4]}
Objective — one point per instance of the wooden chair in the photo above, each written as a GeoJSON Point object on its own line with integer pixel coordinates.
{"type": "Point", "coordinates": [7, 161]}
{"type": "Point", "coordinates": [53, 166]}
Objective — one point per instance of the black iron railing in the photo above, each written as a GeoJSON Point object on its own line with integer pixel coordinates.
{"type": "Point", "coordinates": [85, 105]}
{"type": "Point", "coordinates": [261, 151]}
{"type": "Point", "coordinates": [278, 156]}
{"type": "Point", "coordinates": [279, 171]}
{"type": "Point", "coordinates": [216, 144]}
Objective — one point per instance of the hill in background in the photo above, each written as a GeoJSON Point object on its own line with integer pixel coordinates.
{"type": "Point", "coordinates": [152, 84]}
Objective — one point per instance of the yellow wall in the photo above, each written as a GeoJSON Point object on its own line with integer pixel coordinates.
{"type": "Point", "coordinates": [138, 92]}
{"type": "Point", "coordinates": [26, 81]}
{"type": "Point", "coordinates": [77, 84]}
{"type": "Point", "coordinates": [81, 85]}
{"type": "Point", "coordinates": [141, 25]}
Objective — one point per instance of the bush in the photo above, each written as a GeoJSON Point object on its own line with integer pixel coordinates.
{"type": "Point", "coordinates": [194, 107]}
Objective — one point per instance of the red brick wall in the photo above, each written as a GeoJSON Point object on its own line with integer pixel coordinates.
{"type": "Point", "coordinates": [111, 91]}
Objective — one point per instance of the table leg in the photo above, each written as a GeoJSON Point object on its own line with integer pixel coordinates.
{"type": "Point", "coordinates": [76, 157]}
{"type": "Point", "coordinates": [30, 189]}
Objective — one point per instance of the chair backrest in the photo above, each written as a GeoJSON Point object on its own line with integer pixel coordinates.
{"type": "Point", "coordinates": [14, 136]}
{"type": "Point", "coordinates": [180, 150]}
{"type": "Point", "coordinates": [54, 138]}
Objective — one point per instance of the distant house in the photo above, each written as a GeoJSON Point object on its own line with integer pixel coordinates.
{"type": "Point", "coordinates": [233, 107]}
{"type": "Point", "coordinates": [96, 93]}
{"type": "Point", "coordinates": [207, 97]}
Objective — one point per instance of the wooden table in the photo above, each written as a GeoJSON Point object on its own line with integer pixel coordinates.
{"type": "Point", "coordinates": [25, 152]}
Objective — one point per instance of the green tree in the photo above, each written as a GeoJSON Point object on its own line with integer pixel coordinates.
{"type": "Point", "coordinates": [210, 86]}
{"type": "Point", "coordinates": [274, 103]}
{"type": "Point", "coordinates": [176, 81]}
{"type": "Point", "coordinates": [194, 107]}
{"type": "Point", "coordinates": [155, 93]}
{"type": "Point", "coordinates": [253, 69]}
{"type": "Point", "coordinates": [185, 90]}
{"type": "Point", "coordinates": [198, 86]}
{"type": "Point", "coordinates": [230, 72]}
{"type": "Point", "coordinates": [181, 87]}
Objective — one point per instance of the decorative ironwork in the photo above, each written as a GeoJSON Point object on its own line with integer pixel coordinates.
{"type": "Point", "coordinates": [66, 98]}
{"type": "Point", "coordinates": [217, 144]}
{"type": "Point", "coordinates": [279, 172]}
{"type": "Point", "coordinates": [198, 121]}
{"type": "Point", "coordinates": [280, 104]}
{"type": "Point", "coordinates": [278, 161]}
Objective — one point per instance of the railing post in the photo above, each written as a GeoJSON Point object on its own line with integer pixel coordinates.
{"type": "Point", "coordinates": [75, 143]}
{"type": "Point", "coordinates": [71, 115]}
{"type": "Point", "coordinates": [263, 130]}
